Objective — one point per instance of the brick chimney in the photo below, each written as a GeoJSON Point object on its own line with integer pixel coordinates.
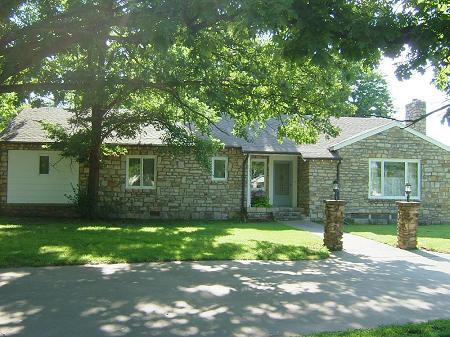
{"type": "Point", "coordinates": [414, 110]}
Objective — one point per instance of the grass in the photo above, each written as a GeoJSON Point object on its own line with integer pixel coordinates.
{"type": "Point", "coordinates": [44, 242]}
{"type": "Point", "coordinates": [430, 237]}
{"type": "Point", "coordinates": [438, 328]}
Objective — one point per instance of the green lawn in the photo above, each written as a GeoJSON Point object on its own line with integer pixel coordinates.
{"type": "Point", "coordinates": [431, 237]}
{"type": "Point", "coordinates": [439, 328]}
{"type": "Point", "coordinates": [43, 242]}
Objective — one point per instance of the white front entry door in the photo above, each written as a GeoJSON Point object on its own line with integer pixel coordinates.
{"type": "Point", "coordinates": [282, 183]}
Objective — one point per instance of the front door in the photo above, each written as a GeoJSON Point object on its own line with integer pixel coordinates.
{"type": "Point", "coordinates": [282, 183]}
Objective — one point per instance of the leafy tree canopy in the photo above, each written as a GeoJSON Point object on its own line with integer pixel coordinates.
{"type": "Point", "coordinates": [9, 104]}
{"type": "Point", "coordinates": [371, 95]}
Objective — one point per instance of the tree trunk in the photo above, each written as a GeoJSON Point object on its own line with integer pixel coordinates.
{"type": "Point", "coordinates": [94, 162]}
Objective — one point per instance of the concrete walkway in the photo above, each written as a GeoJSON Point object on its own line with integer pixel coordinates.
{"type": "Point", "coordinates": [366, 285]}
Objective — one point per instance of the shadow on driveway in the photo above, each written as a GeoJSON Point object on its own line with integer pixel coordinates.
{"type": "Point", "coordinates": [237, 298]}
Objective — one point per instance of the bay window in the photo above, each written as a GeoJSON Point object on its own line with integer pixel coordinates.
{"type": "Point", "coordinates": [387, 178]}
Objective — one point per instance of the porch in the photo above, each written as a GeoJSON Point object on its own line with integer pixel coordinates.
{"type": "Point", "coordinates": [274, 187]}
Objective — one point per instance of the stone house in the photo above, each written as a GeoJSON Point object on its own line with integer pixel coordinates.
{"type": "Point", "coordinates": [372, 158]}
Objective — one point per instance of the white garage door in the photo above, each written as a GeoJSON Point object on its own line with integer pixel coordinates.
{"type": "Point", "coordinates": [42, 177]}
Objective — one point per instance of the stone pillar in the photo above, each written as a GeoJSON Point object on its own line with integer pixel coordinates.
{"type": "Point", "coordinates": [407, 222]}
{"type": "Point", "coordinates": [334, 224]}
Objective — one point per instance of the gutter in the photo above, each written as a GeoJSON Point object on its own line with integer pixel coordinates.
{"type": "Point", "coordinates": [338, 174]}
{"type": "Point", "coordinates": [334, 157]}
{"type": "Point", "coordinates": [243, 208]}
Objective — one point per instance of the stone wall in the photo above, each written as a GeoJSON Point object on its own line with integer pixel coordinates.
{"type": "Point", "coordinates": [395, 144]}
{"type": "Point", "coordinates": [303, 198]}
{"type": "Point", "coordinates": [184, 189]}
{"type": "Point", "coordinates": [321, 175]}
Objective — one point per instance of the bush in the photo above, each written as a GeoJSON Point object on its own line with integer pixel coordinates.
{"type": "Point", "coordinates": [261, 201]}
{"type": "Point", "coordinates": [79, 200]}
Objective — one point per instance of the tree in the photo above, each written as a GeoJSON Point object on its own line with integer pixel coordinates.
{"type": "Point", "coordinates": [8, 108]}
{"type": "Point", "coordinates": [371, 95]}
{"type": "Point", "coordinates": [427, 43]}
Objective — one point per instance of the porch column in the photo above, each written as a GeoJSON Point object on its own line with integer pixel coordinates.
{"type": "Point", "coordinates": [407, 222]}
{"type": "Point", "coordinates": [334, 224]}
{"type": "Point", "coordinates": [249, 186]}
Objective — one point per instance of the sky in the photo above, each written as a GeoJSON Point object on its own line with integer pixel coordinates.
{"type": "Point", "coordinates": [420, 87]}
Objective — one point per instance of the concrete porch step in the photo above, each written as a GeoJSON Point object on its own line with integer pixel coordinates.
{"type": "Point", "coordinates": [277, 213]}
{"type": "Point", "coordinates": [288, 215]}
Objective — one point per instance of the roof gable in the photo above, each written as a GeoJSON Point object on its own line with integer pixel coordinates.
{"type": "Point", "coordinates": [363, 135]}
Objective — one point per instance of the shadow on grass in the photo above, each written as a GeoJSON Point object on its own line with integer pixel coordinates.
{"type": "Point", "coordinates": [42, 242]}
{"type": "Point", "coordinates": [425, 231]}
{"type": "Point", "coordinates": [430, 237]}
{"type": "Point", "coordinates": [269, 251]}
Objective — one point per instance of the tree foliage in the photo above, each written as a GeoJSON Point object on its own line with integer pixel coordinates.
{"type": "Point", "coordinates": [371, 95]}
{"type": "Point", "coordinates": [8, 108]}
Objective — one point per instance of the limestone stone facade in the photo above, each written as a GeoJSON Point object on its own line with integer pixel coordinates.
{"type": "Point", "coordinates": [303, 182]}
{"type": "Point", "coordinates": [395, 144]}
{"type": "Point", "coordinates": [318, 175]}
{"type": "Point", "coordinates": [184, 188]}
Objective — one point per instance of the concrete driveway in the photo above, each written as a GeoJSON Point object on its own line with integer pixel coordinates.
{"type": "Point", "coordinates": [367, 285]}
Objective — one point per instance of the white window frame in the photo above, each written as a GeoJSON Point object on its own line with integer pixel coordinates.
{"type": "Point", "coordinates": [141, 187]}
{"type": "Point", "coordinates": [260, 160]}
{"type": "Point", "coordinates": [213, 161]}
{"type": "Point", "coordinates": [404, 161]}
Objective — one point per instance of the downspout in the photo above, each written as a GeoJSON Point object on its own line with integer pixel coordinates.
{"type": "Point", "coordinates": [338, 174]}
{"type": "Point", "coordinates": [244, 181]}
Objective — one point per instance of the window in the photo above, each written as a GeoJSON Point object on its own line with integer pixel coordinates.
{"type": "Point", "coordinates": [219, 168]}
{"type": "Point", "coordinates": [258, 177]}
{"type": "Point", "coordinates": [387, 178]}
{"type": "Point", "coordinates": [44, 164]}
{"type": "Point", "coordinates": [141, 172]}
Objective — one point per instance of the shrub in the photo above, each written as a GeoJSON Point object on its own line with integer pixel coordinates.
{"type": "Point", "coordinates": [79, 200]}
{"type": "Point", "coordinates": [261, 201]}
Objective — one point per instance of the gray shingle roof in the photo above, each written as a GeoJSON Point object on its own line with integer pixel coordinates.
{"type": "Point", "coordinates": [25, 128]}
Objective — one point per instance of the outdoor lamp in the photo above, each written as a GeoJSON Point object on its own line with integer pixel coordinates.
{"type": "Point", "coordinates": [407, 191]}
{"type": "Point", "coordinates": [336, 189]}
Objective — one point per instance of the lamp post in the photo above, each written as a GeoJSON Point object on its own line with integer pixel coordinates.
{"type": "Point", "coordinates": [336, 189]}
{"type": "Point", "coordinates": [408, 191]}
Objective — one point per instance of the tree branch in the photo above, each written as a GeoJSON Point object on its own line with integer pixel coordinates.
{"type": "Point", "coordinates": [413, 121]}
{"type": "Point", "coordinates": [133, 84]}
